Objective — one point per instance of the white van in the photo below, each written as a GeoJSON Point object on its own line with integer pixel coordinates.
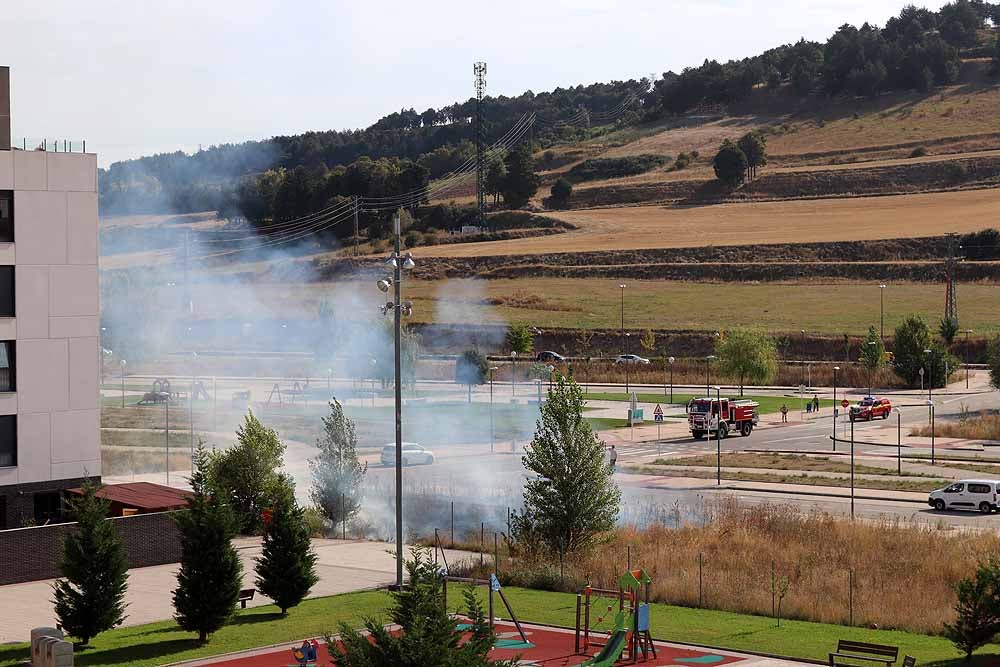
{"type": "Point", "coordinates": [969, 494]}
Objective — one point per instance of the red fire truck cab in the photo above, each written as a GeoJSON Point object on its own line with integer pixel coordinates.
{"type": "Point", "coordinates": [738, 416]}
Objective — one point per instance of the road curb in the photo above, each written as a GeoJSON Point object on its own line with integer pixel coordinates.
{"type": "Point", "coordinates": [824, 494]}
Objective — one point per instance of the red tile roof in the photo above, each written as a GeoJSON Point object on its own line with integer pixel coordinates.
{"type": "Point", "coordinates": [143, 495]}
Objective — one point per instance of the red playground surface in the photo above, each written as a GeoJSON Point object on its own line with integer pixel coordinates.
{"type": "Point", "coordinates": [548, 647]}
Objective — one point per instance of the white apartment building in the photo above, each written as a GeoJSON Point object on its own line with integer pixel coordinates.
{"type": "Point", "coordinates": [49, 319]}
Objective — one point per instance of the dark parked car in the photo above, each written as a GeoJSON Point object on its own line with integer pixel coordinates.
{"type": "Point", "coordinates": [549, 355]}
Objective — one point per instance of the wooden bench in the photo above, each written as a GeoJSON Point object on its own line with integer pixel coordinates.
{"type": "Point", "coordinates": [853, 651]}
{"type": "Point", "coordinates": [245, 596]}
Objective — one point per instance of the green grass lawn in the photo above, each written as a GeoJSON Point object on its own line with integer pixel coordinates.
{"type": "Point", "coordinates": [768, 404]}
{"type": "Point", "coordinates": [796, 462]}
{"type": "Point", "coordinates": [164, 642]}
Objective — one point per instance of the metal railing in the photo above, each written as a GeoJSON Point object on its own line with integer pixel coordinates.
{"type": "Point", "coordinates": [51, 145]}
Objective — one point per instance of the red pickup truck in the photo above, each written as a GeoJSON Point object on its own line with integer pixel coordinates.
{"type": "Point", "coordinates": [871, 407]}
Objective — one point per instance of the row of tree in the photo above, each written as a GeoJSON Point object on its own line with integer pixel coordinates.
{"type": "Point", "coordinates": [239, 490]}
{"type": "Point", "coordinates": [915, 50]}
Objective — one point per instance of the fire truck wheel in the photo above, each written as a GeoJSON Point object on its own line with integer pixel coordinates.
{"type": "Point", "coordinates": [698, 435]}
{"type": "Point", "coordinates": [724, 430]}
{"type": "Point", "coordinates": [746, 429]}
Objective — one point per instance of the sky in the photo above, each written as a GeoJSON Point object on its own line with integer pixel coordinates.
{"type": "Point", "coordinates": [137, 77]}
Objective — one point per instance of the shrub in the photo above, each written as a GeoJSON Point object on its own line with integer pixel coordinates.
{"type": "Point", "coordinates": [730, 164]}
{"type": "Point", "coordinates": [561, 191]}
{"type": "Point", "coordinates": [596, 169]}
{"type": "Point", "coordinates": [955, 172]}
{"type": "Point", "coordinates": [978, 610]}
{"type": "Point", "coordinates": [919, 151]}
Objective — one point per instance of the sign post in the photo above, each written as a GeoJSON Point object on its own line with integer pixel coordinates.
{"type": "Point", "coordinates": [658, 418]}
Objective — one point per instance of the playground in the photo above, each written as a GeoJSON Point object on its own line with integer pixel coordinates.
{"type": "Point", "coordinates": [546, 647]}
{"type": "Point", "coordinates": [612, 628]}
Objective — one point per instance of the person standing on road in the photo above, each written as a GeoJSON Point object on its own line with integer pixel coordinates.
{"type": "Point", "coordinates": [784, 413]}
{"type": "Point", "coordinates": [815, 403]}
{"type": "Point", "coordinates": [613, 458]}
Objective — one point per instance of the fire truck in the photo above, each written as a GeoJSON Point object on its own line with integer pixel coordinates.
{"type": "Point", "coordinates": [738, 416]}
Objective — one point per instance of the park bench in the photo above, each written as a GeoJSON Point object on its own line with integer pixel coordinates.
{"type": "Point", "coordinates": [245, 596]}
{"type": "Point", "coordinates": [852, 651]}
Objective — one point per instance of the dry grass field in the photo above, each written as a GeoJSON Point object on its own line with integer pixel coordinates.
{"type": "Point", "coordinates": [803, 221]}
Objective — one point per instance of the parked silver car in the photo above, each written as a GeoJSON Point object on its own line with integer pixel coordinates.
{"type": "Point", "coordinates": [413, 454]}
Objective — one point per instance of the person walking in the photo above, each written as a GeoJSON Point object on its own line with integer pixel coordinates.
{"type": "Point", "coordinates": [613, 458]}
{"type": "Point", "coordinates": [816, 404]}
{"type": "Point", "coordinates": [784, 413]}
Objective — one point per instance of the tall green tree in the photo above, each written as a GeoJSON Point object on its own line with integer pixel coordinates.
{"type": "Point", "coordinates": [520, 339]}
{"type": "Point", "coordinates": [573, 498]}
{"type": "Point", "coordinates": [948, 329]}
{"type": "Point", "coordinates": [337, 473]}
{"type": "Point", "coordinates": [872, 353]}
{"type": "Point", "coordinates": [246, 474]}
{"type": "Point", "coordinates": [211, 574]}
{"type": "Point", "coordinates": [754, 147]}
{"type": "Point", "coordinates": [496, 174]}
{"type": "Point", "coordinates": [912, 339]}
{"type": "Point", "coordinates": [977, 609]}
{"type": "Point", "coordinates": [748, 354]}
{"type": "Point", "coordinates": [90, 593]}
{"type": "Point", "coordinates": [286, 569]}
{"type": "Point", "coordinates": [521, 182]}
{"type": "Point", "coordinates": [428, 636]}
{"type": "Point", "coordinates": [471, 368]}
{"type": "Point", "coordinates": [993, 359]}
{"type": "Point", "coordinates": [730, 164]}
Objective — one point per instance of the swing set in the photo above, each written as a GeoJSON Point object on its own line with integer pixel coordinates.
{"type": "Point", "coordinates": [627, 608]}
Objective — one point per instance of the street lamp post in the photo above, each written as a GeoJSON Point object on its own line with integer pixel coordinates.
{"type": "Point", "coordinates": [881, 298]}
{"type": "Point", "coordinates": [921, 371]}
{"type": "Point", "coordinates": [397, 262]}
{"type": "Point", "coordinates": [166, 428]}
{"type": "Point", "coordinates": [194, 359]}
{"type": "Point", "coordinates": [373, 362]}
{"type": "Point", "coordinates": [123, 364]}
{"type": "Point", "coordinates": [513, 372]}
{"type": "Point", "coordinates": [871, 372]}
{"type": "Point", "coordinates": [852, 470]}
{"type": "Point", "coordinates": [966, 354]}
{"type": "Point", "coordinates": [930, 404]}
{"type": "Point", "coordinates": [899, 441]}
{"type": "Point", "coordinates": [835, 408]}
{"type": "Point", "coordinates": [627, 364]}
{"type": "Point", "coordinates": [622, 288]}
{"type": "Point", "coordinates": [930, 374]}
{"type": "Point", "coordinates": [493, 369]}
{"type": "Point", "coordinates": [708, 362]}
{"type": "Point", "coordinates": [670, 360]}
{"type": "Point", "coordinates": [718, 437]}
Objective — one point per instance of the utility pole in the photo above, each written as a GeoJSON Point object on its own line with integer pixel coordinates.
{"type": "Point", "coordinates": [357, 250]}
{"type": "Point", "coordinates": [479, 69]}
{"type": "Point", "coordinates": [950, 268]}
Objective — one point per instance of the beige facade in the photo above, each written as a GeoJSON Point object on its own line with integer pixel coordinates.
{"type": "Point", "coordinates": [55, 395]}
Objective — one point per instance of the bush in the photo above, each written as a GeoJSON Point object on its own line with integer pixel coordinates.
{"type": "Point", "coordinates": [919, 151]}
{"type": "Point", "coordinates": [955, 172]}
{"type": "Point", "coordinates": [412, 239]}
{"type": "Point", "coordinates": [561, 191]}
{"type": "Point", "coordinates": [682, 161]}
{"type": "Point", "coordinates": [597, 169]}
{"type": "Point", "coordinates": [730, 164]}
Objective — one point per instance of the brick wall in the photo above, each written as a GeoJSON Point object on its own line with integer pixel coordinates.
{"type": "Point", "coordinates": [30, 554]}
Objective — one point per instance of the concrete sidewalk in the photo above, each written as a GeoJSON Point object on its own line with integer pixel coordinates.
{"type": "Point", "coordinates": [342, 566]}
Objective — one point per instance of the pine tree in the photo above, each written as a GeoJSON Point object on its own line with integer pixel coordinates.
{"type": "Point", "coordinates": [521, 182]}
{"type": "Point", "coordinates": [977, 610]}
{"type": "Point", "coordinates": [428, 637]}
{"type": "Point", "coordinates": [90, 596]}
{"type": "Point", "coordinates": [286, 569]}
{"type": "Point", "coordinates": [211, 574]}
{"type": "Point", "coordinates": [574, 498]}
{"type": "Point", "coordinates": [337, 474]}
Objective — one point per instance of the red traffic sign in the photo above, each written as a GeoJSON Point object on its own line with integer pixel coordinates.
{"type": "Point", "coordinates": [845, 403]}
{"type": "Point", "coordinates": [657, 410]}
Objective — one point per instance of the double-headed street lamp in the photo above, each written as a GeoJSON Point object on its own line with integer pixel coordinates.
{"type": "Point", "coordinates": [397, 262]}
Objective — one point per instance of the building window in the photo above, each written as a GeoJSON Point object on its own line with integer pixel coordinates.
{"type": "Point", "coordinates": [8, 369]}
{"type": "Point", "coordinates": [8, 441]}
{"type": "Point", "coordinates": [6, 291]}
{"type": "Point", "coordinates": [48, 507]}
{"type": "Point", "coordinates": [6, 216]}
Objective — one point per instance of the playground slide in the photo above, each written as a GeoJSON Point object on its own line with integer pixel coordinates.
{"type": "Point", "coordinates": [611, 652]}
